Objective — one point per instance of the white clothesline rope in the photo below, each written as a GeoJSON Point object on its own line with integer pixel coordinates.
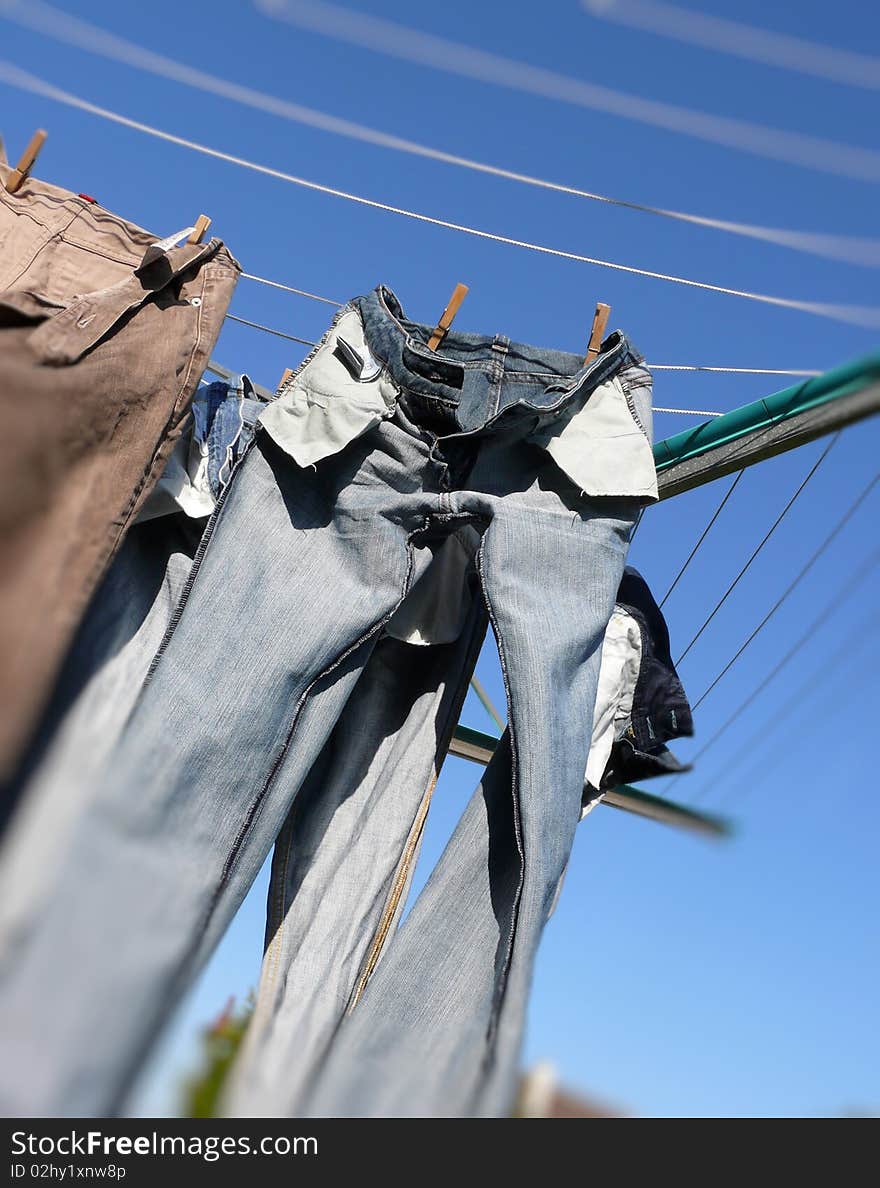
{"type": "Point", "coordinates": [743, 41]}
{"type": "Point", "coordinates": [691, 412]}
{"type": "Point", "coordinates": [262, 280]}
{"type": "Point", "coordinates": [52, 22]}
{"type": "Point", "coordinates": [467, 61]}
{"type": "Point", "coordinates": [732, 370]}
{"type": "Point", "coordinates": [867, 316]}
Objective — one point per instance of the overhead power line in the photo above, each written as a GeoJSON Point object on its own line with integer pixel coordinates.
{"type": "Point", "coordinates": [23, 80]}
{"type": "Point", "coordinates": [61, 26]}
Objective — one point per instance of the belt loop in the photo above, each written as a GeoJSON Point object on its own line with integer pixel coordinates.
{"type": "Point", "coordinates": [499, 357]}
{"type": "Point", "coordinates": [499, 350]}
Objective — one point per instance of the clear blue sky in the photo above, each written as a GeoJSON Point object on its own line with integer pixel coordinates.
{"type": "Point", "coordinates": [678, 976]}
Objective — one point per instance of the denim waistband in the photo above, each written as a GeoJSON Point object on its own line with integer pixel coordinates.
{"type": "Point", "coordinates": [476, 379]}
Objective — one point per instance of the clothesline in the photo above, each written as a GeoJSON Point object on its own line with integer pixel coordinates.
{"type": "Point", "coordinates": [52, 22]}
{"type": "Point", "coordinates": [818, 681]}
{"type": "Point", "coordinates": [696, 412]}
{"type": "Point", "coordinates": [796, 581]}
{"type": "Point", "coordinates": [846, 591]}
{"type": "Point", "coordinates": [345, 24]}
{"type": "Point", "coordinates": [759, 548]}
{"type": "Point", "coordinates": [860, 314]}
{"type": "Point", "coordinates": [753, 43]}
{"type": "Point", "coordinates": [269, 330]}
{"type": "Point", "coordinates": [654, 366]}
{"type": "Point", "coordinates": [867, 316]}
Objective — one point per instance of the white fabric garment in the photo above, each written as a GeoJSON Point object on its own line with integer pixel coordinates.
{"type": "Point", "coordinates": [322, 406]}
{"type": "Point", "coordinates": [600, 444]}
{"type": "Point", "coordinates": [436, 608]}
{"type": "Point", "coordinates": [618, 676]}
{"type": "Point", "coordinates": [184, 484]}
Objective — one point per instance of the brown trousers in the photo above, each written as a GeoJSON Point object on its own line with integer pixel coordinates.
{"type": "Point", "coordinates": [103, 340]}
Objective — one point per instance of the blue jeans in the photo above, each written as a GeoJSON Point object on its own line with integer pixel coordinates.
{"type": "Point", "coordinates": [343, 864]}
{"type": "Point", "coordinates": [111, 655]}
{"type": "Point", "coordinates": [302, 566]}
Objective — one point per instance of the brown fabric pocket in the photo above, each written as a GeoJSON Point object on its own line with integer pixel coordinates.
{"type": "Point", "coordinates": [73, 331]}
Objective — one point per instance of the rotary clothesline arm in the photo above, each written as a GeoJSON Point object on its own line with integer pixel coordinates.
{"type": "Point", "coordinates": [478, 748]}
{"type": "Point", "coordinates": [769, 426]}
{"type": "Point", "coordinates": [734, 441]}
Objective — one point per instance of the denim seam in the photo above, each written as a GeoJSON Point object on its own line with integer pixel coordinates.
{"type": "Point", "coordinates": [631, 405]}
{"type": "Point", "coordinates": [282, 754]}
{"type": "Point", "coordinates": [517, 812]}
{"type": "Point", "coordinates": [398, 882]}
{"type": "Point", "coordinates": [280, 906]}
{"type": "Point", "coordinates": [319, 345]}
{"type": "Point", "coordinates": [206, 538]}
{"type": "Point", "coordinates": [449, 723]}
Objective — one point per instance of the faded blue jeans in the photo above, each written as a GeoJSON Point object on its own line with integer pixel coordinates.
{"type": "Point", "coordinates": [376, 447]}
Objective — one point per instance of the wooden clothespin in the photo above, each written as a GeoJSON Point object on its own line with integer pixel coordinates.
{"type": "Point", "coordinates": [198, 231]}
{"type": "Point", "coordinates": [26, 161]}
{"type": "Point", "coordinates": [285, 376]}
{"type": "Point", "coordinates": [442, 328]}
{"type": "Point", "coordinates": [597, 333]}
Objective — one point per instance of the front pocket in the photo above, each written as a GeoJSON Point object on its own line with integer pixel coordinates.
{"type": "Point", "coordinates": [604, 443]}
{"type": "Point", "coordinates": [71, 332]}
{"type": "Point", "coordinates": [330, 401]}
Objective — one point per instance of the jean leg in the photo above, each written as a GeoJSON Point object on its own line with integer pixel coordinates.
{"type": "Point", "coordinates": [97, 688]}
{"type": "Point", "coordinates": [439, 1029]}
{"type": "Point", "coordinates": [190, 802]}
{"type": "Point", "coordinates": [344, 860]}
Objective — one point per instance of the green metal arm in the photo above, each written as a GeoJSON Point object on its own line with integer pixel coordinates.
{"type": "Point", "coordinates": [738, 439]}
{"type": "Point", "coordinates": [772, 425]}
{"type": "Point", "coordinates": [478, 748]}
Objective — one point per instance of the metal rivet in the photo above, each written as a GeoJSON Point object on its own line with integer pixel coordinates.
{"type": "Point", "coordinates": [196, 301]}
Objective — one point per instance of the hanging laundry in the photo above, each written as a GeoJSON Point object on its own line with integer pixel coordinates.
{"type": "Point", "coordinates": [103, 339]}
{"type": "Point", "coordinates": [344, 859]}
{"type": "Point", "coordinates": [375, 448]}
{"type": "Point", "coordinates": [112, 652]}
{"type": "Point", "coordinates": [640, 704]}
